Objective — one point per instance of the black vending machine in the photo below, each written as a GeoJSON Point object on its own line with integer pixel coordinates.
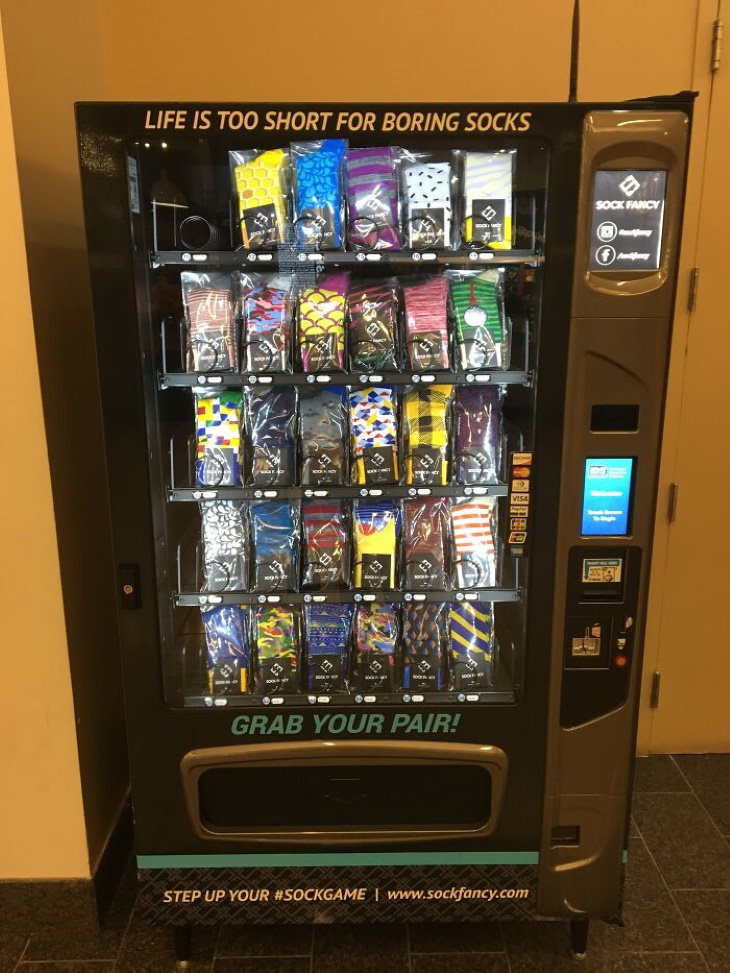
{"type": "Point", "coordinates": [383, 388]}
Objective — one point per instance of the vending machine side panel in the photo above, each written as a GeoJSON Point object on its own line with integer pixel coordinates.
{"type": "Point", "coordinates": [627, 240]}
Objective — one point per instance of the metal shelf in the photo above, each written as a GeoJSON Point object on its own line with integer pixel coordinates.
{"type": "Point", "coordinates": [497, 694]}
{"type": "Point", "coordinates": [198, 493]}
{"type": "Point", "coordinates": [291, 258]}
{"type": "Point", "coordinates": [199, 599]}
{"type": "Point", "coordinates": [238, 379]}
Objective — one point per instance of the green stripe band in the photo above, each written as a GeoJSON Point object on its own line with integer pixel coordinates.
{"type": "Point", "coordinates": [365, 858]}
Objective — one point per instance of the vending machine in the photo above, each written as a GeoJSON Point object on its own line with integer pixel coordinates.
{"type": "Point", "coordinates": [383, 387]}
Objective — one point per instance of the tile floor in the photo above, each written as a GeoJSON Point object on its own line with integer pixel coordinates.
{"type": "Point", "coordinates": [677, 912]}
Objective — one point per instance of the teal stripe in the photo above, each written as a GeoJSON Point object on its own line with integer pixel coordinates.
{"type": "Point", "coordinates": [287, 861]}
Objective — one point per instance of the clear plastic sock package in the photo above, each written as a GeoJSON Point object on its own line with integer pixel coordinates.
{"type": "Point", "coordinates": [471, 645]}
{"type": "Point", "coordinates": [376, 527]}
{"type": "Point", "coordinates": [426, 434]}
{"type": "Point", "coordinates": [260, 183]}
{"type": "Point", "coordinates": [271, 422]}
{"type": "Point", "coordinates": [427, 184]}
{"type": "Point", "coordinates": [210, 320]}
{"type": "Point", "coordinates": [328, 630]}
{"type": "Point", "coordinates": [319, 192]}
{"type": "Point", "coordinates": [372, 199]}
{"type": "Point", "coordinates": [374, 432]}
{"type": "Point", "coordinates": [426, 314]}
{"type": "Point", "coordinates": [478, 440]}
{"type": "Point", "coordinates": [276, 633]}
{"type": "Point", "coordinates": [326, 548]}
{"type": "Point", "coordinates": [477, 302]}
{"type": "Point", "coordinates": [423, 647]}
{"type": "Point", "coordinates": [323, 433]}
{"type": "Point", "coordinates": [228, 656]}
{"type": "Point", "coordinates": [425, 532]}
{"type": "Point", "coordinates": [373, 325]}
{"type": "Point", "coordinates": [321, 319]}
{"type": "Point", "coordinates": [267, 324]}
{"type": "Point", "coordinates": [218, 449]}
{"type": "Point", "coordinates": [374, 656]}
{"type": "Point", "coordinates": [488, 178]}
{"type": "Point", "coordinates": [225, 545]}
{"type": "Point", "coordinates": [275, 535]}
{"type": "Point", "coordinates": [473, 530]}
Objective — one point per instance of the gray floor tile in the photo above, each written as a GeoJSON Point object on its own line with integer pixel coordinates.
{"type": "Point", "coordinates": [657, 772]}
{"type": "Point", "coordinates": [263, 964]}
{"type": "Point", "coordinates": [633, 830]}
{"type": "Point", "coordinates": [149, 949]}
{"type": "Point", "coordinates": [684, 842]}
{"type": "Point", "coordinates": [651, 919]}
{"type": "Point", "coordinates": [281, 940]}
{"type": "Point", "coordinates": [708, 916]}
{"type": "Point", "coordinates": [456, 937]}
{"type": "Point", "coordinates": [460, 963]}
{"type": "Point", "coordinates": [68, 966]}
{"type": "Point", "coordinates": [374, 948]}
{"type": "Point", "coordinates": [709, 775]}
{"type": "Point", "coordinates": [538, 947]}
{"type": "Point", "coordinates": [657, 963]}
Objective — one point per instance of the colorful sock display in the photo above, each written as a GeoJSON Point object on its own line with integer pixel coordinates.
{"type": "Point", "coordinates": [428, 204]}
{"type": "Point", "coordinates": [271, 421]}
{"type": "Point", "coordinates": [425, 527]}
{"type": "Point", "coordinates": [323, 436]}
{"type": "Point", "coordinates": [274, 534]}
{"type": "Point", "coordinates": [427, 336]}
{"type": "Point", "coordinates": [322, 324]}
{"type": "Point", "coordinates": [226, 639]}
{"type": "Point", "coordinates": [326, 561]}
{"type": "Point", "coordinates": [488, 198]}
{"type": "Point", "coordinates": [423, 642]}
{"type": "Point", "coordinates": [277, 650]}
{"type": "Point", "coordinates": [473, 531]}
{"type": "Point", "coordinates": [373, 313]}
{"type": "Point", "coordinates": [267, 323]}
{"type": "Point", "coordinates": [208, 300]}
{"type": "Point", "coordinates": [225, 545]}
{"type": "Point", "coordinates": [427, 438]}
{"type": "Point", "coordinates": [328, 630]}
{"type": "Point", "coordinates": [471, 645]}
{"type": "Point", "coordinates": [376, 532]}
{"type": "Point", "coordinates": [318, 170]}
{"type": "Point", "coordinates": [376, 639]}
{"type": "Point", "coordinates": [218, 449]}
{"type": "Point", "coordinates": [374, 435]}
{"type": "Point", "coordinates": [372, 199]}
{"type": "Point", "coordinates": [479, 320]}
{"type": "Point", "coordinates": [261, 199]}
{"type": "Point", "coordinates": [478, 435]}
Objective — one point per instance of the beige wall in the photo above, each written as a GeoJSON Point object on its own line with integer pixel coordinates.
{"type": "Point", "coordinates": [98, 49]}
{"type": "Point", "coordinates": [41, 821]}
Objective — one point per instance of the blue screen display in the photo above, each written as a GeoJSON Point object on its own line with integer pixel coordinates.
{"type": "Point", "coordinates": [607, 488]}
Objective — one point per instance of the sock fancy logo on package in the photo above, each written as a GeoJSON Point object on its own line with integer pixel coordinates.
{"type": "Point", "coordinates": [376, 533]}
{"type": "Point", "coordinates": [376, 638]}
{"type": "Point", "coordinates": [479, 315]}
{"type": "Point", "coordinates": [225, 545]}
{"type": "Point", "coordinates": [427, 336]}
{"type": "Point", "coordinates": [267, 323]}
{"type": "Point", "coordinates": [426, 410]}
{"type": "Point", "coordinates": [488, 198]}
{"type": "Point", "coordinates": [327, 633]}
{"type": "Point", "coordinates": [423, 640]}
{"type": "Point", "coordinates": [318, 185]}
{"type": "Point", "coordinates": [276, 633]}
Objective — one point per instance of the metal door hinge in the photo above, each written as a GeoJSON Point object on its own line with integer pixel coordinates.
{"type": "Point", "coordinates": [716, 54]}
{"type": "Point", "coordinates": [656, 680]}
{"type": "Point", "coordinates": [672, 504]}
{"type": "Point", "coordinates": [694, 280]}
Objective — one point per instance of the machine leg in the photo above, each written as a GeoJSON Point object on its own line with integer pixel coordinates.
{"type": "Point", "coordinates": [182, 938]}
{"type": "Point", "coordinates": [579, 937]}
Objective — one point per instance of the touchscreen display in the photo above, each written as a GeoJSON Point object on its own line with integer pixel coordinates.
{"type": "Point", "coordinates": [607, 495]}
